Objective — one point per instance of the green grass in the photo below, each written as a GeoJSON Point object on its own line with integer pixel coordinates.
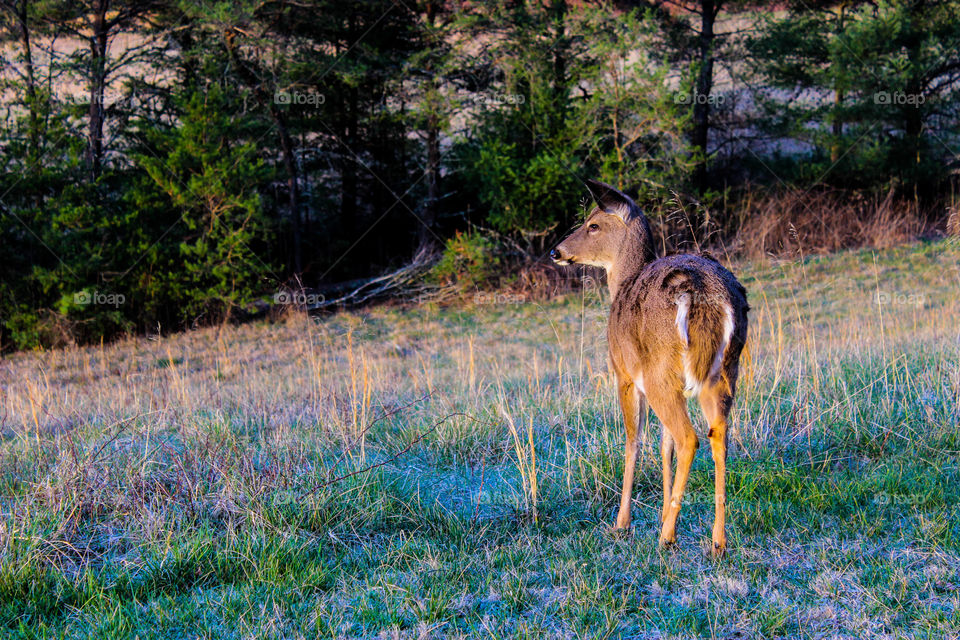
{"type": "Point", "coordinates": [188, 487]}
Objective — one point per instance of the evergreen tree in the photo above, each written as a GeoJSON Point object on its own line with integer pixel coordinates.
{"type": "Point", "coordinates": [878, 82]}
{"type": "Point", "coordinates": [568, 96]}
{"type": "Point", "coordinates": [210, 177]}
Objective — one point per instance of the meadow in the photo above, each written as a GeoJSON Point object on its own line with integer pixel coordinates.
{"type": "Point", "coordinates": [447, 472]}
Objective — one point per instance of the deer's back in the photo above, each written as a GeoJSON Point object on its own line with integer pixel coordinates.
{"type": "Point", "coordinates": [676, 319]}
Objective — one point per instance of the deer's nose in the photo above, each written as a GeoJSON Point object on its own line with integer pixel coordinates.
{"type": "Point", "coordinates": [554, 254]}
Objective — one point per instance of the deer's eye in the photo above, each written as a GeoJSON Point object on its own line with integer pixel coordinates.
{"type": "Point", "coordinates": [594, 227]}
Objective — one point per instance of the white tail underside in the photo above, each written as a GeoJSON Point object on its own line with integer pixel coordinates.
{"type": "Point", "coordinates": [693, 385]}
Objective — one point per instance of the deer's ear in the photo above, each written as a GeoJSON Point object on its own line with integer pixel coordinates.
{"type": "Point", "coordinates": [611, 200]}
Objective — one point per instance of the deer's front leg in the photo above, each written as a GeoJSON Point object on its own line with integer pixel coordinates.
{"type": "Point", "coordinates": [633, 405]}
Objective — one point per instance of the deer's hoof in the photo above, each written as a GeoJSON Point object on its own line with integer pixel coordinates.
{"type": "Point", "coordinates": [718, 549]}
{"type": "Point", "coordinates": [667, 541]}
{"type": "Point", "coordinates": [622, 534]}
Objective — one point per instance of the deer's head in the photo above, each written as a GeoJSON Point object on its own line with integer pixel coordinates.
{"type": "Point", "coordinates": [615, 229]}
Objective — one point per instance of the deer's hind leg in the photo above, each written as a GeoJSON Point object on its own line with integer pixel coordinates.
{"type": "Point", "coordinates": [716, 400]}
{"type": "Point", "coordinates": [666, 452]}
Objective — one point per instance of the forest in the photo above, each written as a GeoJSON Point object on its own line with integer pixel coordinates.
{"type": "Point", "coordinates": [168, 165]}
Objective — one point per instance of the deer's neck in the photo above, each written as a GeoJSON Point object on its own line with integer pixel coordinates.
{"type": "Point", "coordinates": [635, 253]}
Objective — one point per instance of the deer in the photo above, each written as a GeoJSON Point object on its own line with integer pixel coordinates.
{"type": "Point", "coordinates": [676, 329]}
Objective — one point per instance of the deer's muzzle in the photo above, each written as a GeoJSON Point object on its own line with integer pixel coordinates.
{"type": "Point", "coordinates": [559, 256]}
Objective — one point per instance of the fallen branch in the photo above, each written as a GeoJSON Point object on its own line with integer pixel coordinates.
{"type": "Point", "coordinates": [391, 284]}
{"type": "Point", "coordinates": [380, 418]}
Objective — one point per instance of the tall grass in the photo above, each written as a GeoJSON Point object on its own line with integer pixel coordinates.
{"type": "Point", "coordinates": [453, 472]}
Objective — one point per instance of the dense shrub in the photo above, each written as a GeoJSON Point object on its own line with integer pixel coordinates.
{"type": "Point", "coordinates": [469, 261]}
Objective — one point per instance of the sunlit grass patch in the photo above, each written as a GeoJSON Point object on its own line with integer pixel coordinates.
{"type": "Point", "coordinates": [453, 472]}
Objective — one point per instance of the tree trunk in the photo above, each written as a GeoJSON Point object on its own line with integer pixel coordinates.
{"type": "Point", "coordinates": [425, 235]}
{"type": "Point", "coordinates": [838, 97]}
{"type": "Point", "coordinates": [287, 147]}
{"type": "Point", "coordinates": [561, 93]}
{"type": "Point", "coordinates": [33, 119]}
{"type": "Point", "coordinates": [348, 167]}
{"type": "Point", "coordinates": [293, 186]}
{"type": "Point", "coordinates": [701, 102]}
{"type": "Point", "coordinates": [186, 40]}
{"type": "Point", "coordinates": [97, 82]}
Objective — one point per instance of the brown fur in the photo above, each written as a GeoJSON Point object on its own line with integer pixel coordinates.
{"type": "Point", "coordinates": [669, 319]}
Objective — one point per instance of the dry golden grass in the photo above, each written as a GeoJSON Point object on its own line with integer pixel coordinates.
{"type": "Point", "coordinates": [796, 221]}
{"type": "Point", "coordinates": [187, 482]}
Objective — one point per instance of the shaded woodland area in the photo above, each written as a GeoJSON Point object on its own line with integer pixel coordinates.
{"type": "Point", "coordinates": [173, 164]}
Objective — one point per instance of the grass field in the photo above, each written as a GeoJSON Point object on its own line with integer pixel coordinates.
{"type": "Point", "coordinates": [198, 485]}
